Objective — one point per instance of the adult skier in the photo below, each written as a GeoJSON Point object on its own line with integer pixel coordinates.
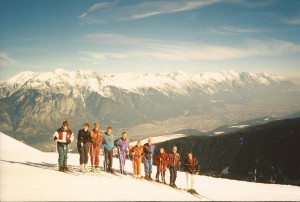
{"type": "Point", "coordinates": [108, 145]}
{"type": "Point", "coordinates": [137, 153]}
{"type": "Point", "coordinates": [64, 136]}
{"type": "Point", "coordinates": [122, 145]}
{"type": "Point", "coordinates": [148, 158]}
{"type": "Point", "coordinates": [174, 164]}
{"type": "Point", "coordinates": [96, 139]}
{"type": "Point", "coordinates": [191, 167]}
{"type": "Point", "coordinates": [83, 146]}
{"type": "Point", "coordinates": [161, 160]}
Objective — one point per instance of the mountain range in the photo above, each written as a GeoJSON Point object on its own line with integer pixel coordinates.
{"type": "Point", "coordinates": [34, 104]}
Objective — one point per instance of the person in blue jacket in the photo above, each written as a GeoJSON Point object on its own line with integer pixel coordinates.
{"type": "Point", "coordinates": [148, 158]}
{"type": "Point", "coordinates": [108, 145]}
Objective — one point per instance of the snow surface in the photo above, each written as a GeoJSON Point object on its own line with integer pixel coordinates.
{"type": "Point", "coordinates": [158, 139]}
{"type": "Point", "coordinates": [30, 175]}
{"type": "Point", "coordinates": [239, 126]}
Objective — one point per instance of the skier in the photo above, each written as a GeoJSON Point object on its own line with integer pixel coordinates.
{"type": "Point", "coordinates": [162, 160]}
{"type": "Point", "coordinates": [137, 153]}
{"type": "Point", "coordinates": [174, 165]}
{"type": "Point", "coordinates": [83, 146]}
{"type": "Point", "coordinates": [108, 145]}
{"type": "Point", "coordinates": [191, 167]}
{"type": "Point", "coordinates": [64, 136]}
{"type": "Point", "coordinates": [122, 145]}
{"type": "Point", "coordinates": [148, 157]}
{"type": "Point", "coordinates": [96, 139]}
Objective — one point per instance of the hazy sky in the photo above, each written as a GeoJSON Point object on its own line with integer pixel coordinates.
{"type": "Point", "coordinates": [150, 36]}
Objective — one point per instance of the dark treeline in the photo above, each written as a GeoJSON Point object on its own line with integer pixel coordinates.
{"type": "Point", "coordinates": [267, 153]}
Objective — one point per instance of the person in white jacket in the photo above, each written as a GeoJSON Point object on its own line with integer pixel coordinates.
{"type": "Point", "coordinates": [64, 136]}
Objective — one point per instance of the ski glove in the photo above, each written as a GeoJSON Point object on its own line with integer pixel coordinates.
{"type": "Point", "coordinates": [69, 141]}
{"type": "Point", "coordinates": [55, 138]}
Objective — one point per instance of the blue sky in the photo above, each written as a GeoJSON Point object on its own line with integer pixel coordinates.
{"type": "Point", "coordinates": [150, 36]}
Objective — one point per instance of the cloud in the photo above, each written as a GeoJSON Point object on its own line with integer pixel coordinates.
{"type": "Point", "coordinates": [185, 51]}
{"type": "Point", "coordinates": [115, 12]}
{"type": "Point", "coordinates": [231, 29]}
{"type": "Point", "coordinates": [152, 8]}
{"type": "Point", "coordinates": [252, 4]}
{"type": "Point", "coordinates": [5, 59]}
{"type": "Point", "coordinates": [292, 21]}
{"type": "Point", "coordinates": [98, 6]}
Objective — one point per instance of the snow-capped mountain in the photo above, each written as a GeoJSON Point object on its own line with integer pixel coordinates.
{"type": "Point", "coordinates": [81, 83]}
{"type": "Point", "coordinates": [34, 104]}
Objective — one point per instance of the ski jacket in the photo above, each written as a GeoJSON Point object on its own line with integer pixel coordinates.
{"type": "Point", "coordinates": [122, 144]}
{"type": "Point", "coordinates": [96, 137]}
{"type": "Point", "coordinates": [108, 141]}
{"type": "Point", "coordinates": [138, 152]}
{"type": "Point", "coordinates": [162, 160]}
{"type": "Point", "coordinates": [191, 168]}
{"type": "Point", "coordinates": [174, 159]}
{"type": "Point", "coordinates": [63, 136]}
{"type": "Point", "coordinates": [83, 137]}
{"type": "Point", "coordinates": [149, 150]}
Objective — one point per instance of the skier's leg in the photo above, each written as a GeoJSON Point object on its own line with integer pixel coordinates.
{"type": "Point", "coordinates": [192, 181]}
{"type": "Point", "coordinates": [92, 155]}
{"type": "Point", "coordinates": [187, 180]}
{"type": "Point", "coordinates": [110, 159]}
{"type": "Point", "coordinates": [120, 161]}
{"type": "Point", "coordinates": [171, 175]}
{"type": "Point", "coordinates": [60, 150]}
{"type": "Point", "coordinates": [86, 153]}
{"type": "Point", "coordinates": [65, 156]}
{"type": "Point", "coordinates": [174, 174]}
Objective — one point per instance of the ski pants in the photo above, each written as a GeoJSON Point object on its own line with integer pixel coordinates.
{"type": "Point", "coordinates": [148, 165]}
{"type": "Point", "coordinates": [163, 174]}
{"type": "Point", "coordinates": [122, 159]}
{"type": "Point", "coordinates": [173, 174]}
{"type": "Point", "coordinates": [83, 153]}
{"type": "Point", "coordinates": [108, 158]}
{"type": "Point", "coordinates": [137, 165]}
{"type": "Point", "coordinates": [94, 153]}
{"type": "Point", "coordinates": [189, 179]}
{"type": "Point", "coordinates": [62, 155]}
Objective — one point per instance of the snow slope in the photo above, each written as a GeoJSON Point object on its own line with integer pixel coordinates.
{"type": "Point", "coordinates": [29, 175]}
{"type": "Point", "coordinates": [158, 139]}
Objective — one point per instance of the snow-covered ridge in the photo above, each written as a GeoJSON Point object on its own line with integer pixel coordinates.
{"type": "Point", "coordinates": [178, 83]}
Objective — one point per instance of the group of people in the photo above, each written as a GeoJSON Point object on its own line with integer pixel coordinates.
{"type": "Point", "coordinates": [90, 142]}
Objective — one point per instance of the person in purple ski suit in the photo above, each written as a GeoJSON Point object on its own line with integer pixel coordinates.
{"type": "Point", "coordinates": [122, 145]}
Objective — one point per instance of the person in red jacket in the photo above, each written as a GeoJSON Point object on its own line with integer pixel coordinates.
{"type": "Point", "coordinates": [174, 165]}
{"type": "Point", "coordinates": [96, 139]}
{"type": "Point", "coordinates": [63, 136]}
{"type": "Point", "coordinates": [162, 160]}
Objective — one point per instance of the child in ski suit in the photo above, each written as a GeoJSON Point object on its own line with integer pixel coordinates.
{"type": "Point", "coordinates": [83, 146]}
{"type": "Point", "coordinates": [148, 158]}
{"type": "Point", "coordinates": [137, 153]}
{"type": "Point", "coordinates": [191, 167]}
{"type": "Point", "coordinates": [108, 145]}
{"type": "Point", "coordinates": [174, 164]}
{"type": "Point", "coordinates": [64, 136]}
{"type": "Point", "coordinates": [122, 144]}
{"type": "Point", "coordinates": [161, 160]}
{"type": "Point", "coordinates": [96, 139]}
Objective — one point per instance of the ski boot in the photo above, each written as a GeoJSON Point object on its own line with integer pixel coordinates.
{"type": "Point", "coordinates": [82, 168]}
{"type": "Point", "coordinates": [86, 168]}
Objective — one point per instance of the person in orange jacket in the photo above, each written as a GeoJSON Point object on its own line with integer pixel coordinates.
{"type": "Point", "coordinates": [137, 153]}
{"type": "Point", "coordinates": [96, 139]}
{"type": "Point", "coordinates": [162, 160]}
